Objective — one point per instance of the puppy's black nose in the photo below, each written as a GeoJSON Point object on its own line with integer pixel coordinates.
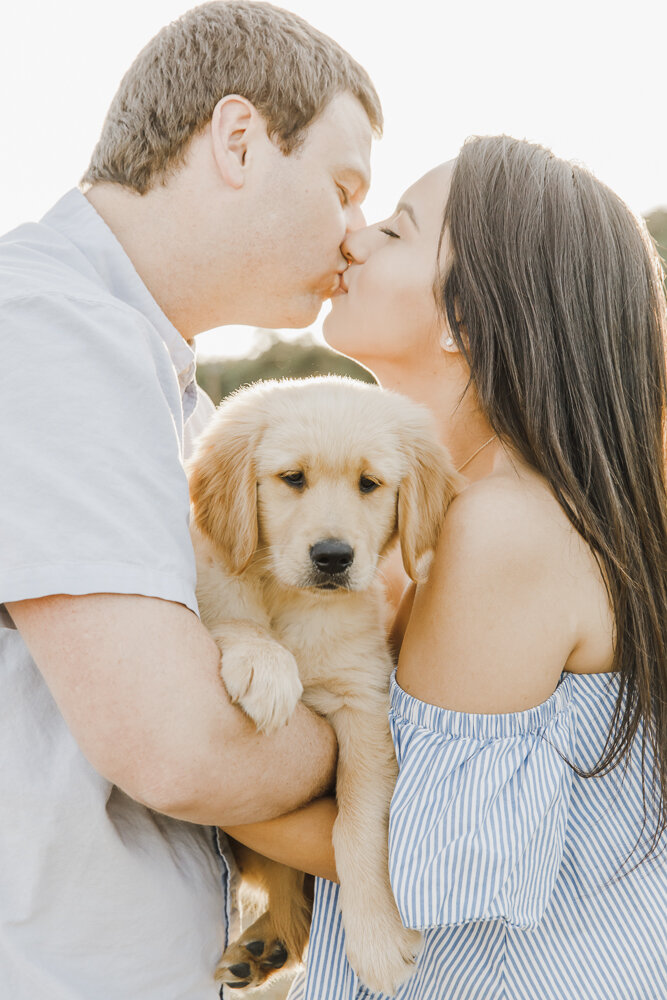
{"type": "Point", "coordinates": [332, 556]}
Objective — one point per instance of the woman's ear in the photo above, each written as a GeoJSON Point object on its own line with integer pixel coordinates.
{"type": "Point", "coordinates": [447, 341]}
{"type": "Point", "coordinates": [426, 490]}
{"type": "Point", "coordinates": [223, 484]}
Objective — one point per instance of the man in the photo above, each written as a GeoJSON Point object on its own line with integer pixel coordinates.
{"type": "Point", "coordinates": [232, 163]}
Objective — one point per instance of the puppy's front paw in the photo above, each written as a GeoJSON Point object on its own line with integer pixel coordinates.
{"type": "Point", "coordinates": [262, 677]}
{"type": "Point", "coordinates": [382, 952]}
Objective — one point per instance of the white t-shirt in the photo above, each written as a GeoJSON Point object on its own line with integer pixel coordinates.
{"type": "Point", "coordinates": [99, 896]}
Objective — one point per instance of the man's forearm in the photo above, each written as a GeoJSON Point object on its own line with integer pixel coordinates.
{"type": "Point", "coordinates": [138, 683]}
{"type": "Point", "coordinates": [269, 775]}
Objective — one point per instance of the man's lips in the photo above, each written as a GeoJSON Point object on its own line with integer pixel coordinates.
{"type": "Point", "coordinates": [341, 287]}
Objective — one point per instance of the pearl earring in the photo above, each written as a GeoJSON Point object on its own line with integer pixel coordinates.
{"type": "Point", "coordinates": [446, 341]}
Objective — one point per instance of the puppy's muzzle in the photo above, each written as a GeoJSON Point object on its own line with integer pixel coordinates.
{"type": "Point", "coordinates": [331, 558]}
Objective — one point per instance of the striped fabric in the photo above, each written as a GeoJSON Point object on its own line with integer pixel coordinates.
{"type": "Point", "coordinates": [509, 862]}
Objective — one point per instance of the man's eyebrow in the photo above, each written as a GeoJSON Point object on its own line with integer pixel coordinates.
{"type": "Point", "coordinates": [403, 206]}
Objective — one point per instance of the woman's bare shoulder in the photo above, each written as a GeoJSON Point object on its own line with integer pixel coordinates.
{"type": "Point", "coordinates": [509, 515]}
{"type": "Point", "coordinates": [501, 612]}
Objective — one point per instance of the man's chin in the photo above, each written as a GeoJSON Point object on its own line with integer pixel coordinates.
{"type": "Point", "coordinates": [298, 316]}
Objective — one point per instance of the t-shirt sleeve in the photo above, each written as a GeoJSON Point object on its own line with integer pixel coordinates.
{"type": "Point", "coordinates": [94, 497]}
{"type": "Point", "coordinates": [203, 412]}
{"type": "Point", "coordinates": [480, 809]}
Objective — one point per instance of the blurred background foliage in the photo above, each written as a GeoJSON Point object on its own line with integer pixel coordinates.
{"type": "Point", "coordinates": [656, 223]}
{"type": "Point", "coordinates": [273, 357]}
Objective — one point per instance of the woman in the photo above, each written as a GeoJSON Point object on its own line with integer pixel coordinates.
{"type": "Point", "coordinates": [529, 708]}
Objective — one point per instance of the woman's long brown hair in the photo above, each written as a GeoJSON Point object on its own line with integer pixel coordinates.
{"type": "Point", "coordinates": [554, 293]}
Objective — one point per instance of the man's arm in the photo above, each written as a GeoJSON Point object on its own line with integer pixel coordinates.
{"type": "Point", "coordinates": [137, 681]}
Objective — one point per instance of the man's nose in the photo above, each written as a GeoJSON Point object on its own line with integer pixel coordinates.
{"type": "Point", "coordinates": [354, 218]}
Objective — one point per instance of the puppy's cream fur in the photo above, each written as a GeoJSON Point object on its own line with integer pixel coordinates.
{"type": "Point", "coordinates": [283, 637]}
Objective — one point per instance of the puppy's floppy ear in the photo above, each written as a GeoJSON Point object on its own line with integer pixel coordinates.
{"type": "Point", "coordinates": [428, 487]}
{"type": "Point", "coordinates": [223, 483]}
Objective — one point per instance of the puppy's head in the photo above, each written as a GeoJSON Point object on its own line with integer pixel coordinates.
{"type": "Point", "coordinates": [311, 480]}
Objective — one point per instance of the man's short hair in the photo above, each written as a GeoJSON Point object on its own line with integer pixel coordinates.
{"type": "Point", "coordinates": [286, 68]}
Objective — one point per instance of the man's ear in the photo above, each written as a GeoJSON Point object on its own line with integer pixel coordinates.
{"type": "Point", "coordinates": [233, 123]}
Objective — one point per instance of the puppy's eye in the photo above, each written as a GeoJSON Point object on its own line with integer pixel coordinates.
{"type": "Point", "coordinates": [296, 480]}
{"type": "Point", "coordinates": [367, 485]}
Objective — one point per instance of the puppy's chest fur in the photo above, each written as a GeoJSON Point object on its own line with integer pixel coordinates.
{"type": "Point", "coordinates": [343, 631]}
{"type": "Point", "coordinates": [329, 634]}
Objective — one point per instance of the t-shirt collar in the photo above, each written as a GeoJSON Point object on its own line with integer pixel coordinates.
{"type": "Point", "coordinates": [75, 218]}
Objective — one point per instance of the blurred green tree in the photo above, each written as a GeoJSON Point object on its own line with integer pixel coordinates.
{"type": "Point", "coordinates": [277, 358]}
{"type": "Point", "coordinates": [656, 223]}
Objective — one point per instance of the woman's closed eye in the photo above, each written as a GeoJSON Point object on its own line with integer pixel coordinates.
{"type": "Point", "coordinates": [389, 232]}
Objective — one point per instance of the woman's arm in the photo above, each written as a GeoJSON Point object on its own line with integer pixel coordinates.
{"type": "Point", "coordinates": [300, 839]}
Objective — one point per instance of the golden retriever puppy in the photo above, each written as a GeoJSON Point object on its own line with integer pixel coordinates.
{"type": "Point", "coordinates": [298, 488]}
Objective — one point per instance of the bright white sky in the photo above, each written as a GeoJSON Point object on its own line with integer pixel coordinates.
{"type": "Point", "coordinates": [585, 77]}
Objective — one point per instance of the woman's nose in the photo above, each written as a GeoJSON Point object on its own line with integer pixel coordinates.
{"type": "Point", "coordinates": [357, 245]}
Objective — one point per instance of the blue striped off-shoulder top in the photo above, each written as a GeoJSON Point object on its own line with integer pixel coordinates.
{"type": "Point", "coordinates": [514, 867]}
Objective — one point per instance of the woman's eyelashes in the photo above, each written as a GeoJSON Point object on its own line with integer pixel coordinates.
{"type": "Point", "coordinates": [389, 232]}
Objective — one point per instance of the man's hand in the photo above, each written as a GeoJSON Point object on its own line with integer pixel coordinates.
{"type": "Point", "coordinates": [137, 680]}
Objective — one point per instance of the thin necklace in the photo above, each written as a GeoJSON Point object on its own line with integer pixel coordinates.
{"type": "Point", "coordinates": [469, 460]}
